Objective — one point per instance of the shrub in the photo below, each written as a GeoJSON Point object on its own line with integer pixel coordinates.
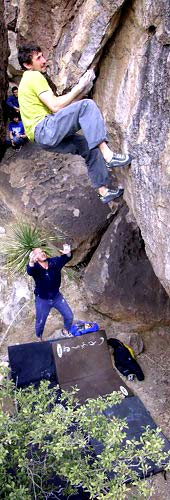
{"type": "Point", "coordinates": [41, 440]}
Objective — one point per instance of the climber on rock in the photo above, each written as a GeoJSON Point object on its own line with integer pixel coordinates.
{"type": "Point", "coordinates": [47, 276]}
{"type": "Point", "coordinates": [52, 121]}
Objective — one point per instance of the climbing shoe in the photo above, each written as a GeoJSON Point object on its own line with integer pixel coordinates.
{"type": "Point", "coordinates": [119, 160]}
{"type": "Point", "coordinates": [111, 195]}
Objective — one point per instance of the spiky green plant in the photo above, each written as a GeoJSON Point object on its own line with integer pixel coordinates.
{"type": "Point", "coordinates": [17, 245]}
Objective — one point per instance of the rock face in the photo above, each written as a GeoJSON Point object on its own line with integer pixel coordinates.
{"type": "Point", "coordinates": [14, 293]}
{"type": "Point", "coordinates": [14, 298]}
{"type": "Point", "coordinates": [119, 280]}
{"type": "Point", "coordinates": [128, 44]}
{"type": "Point", "coordinates": [133, 93]}
{"type": "Point", "coordinates": [132, 89]}
{"type": "Point", "coordinates": [53, 191]}
{"type": "Point", "coordinates": [3, 74]}
{"type": "Point", "coordinates": [74, 35]}
{"type": "Point", "coordinates": [11, 13]}
{"type": "Point", "coordinates": [14, 70]}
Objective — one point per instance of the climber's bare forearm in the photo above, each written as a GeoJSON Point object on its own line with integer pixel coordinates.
{"type": "Point", "coordinates": [56, 103]}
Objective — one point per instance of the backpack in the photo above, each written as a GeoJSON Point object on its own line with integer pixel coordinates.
{"type": "Point", "coordinates": [124, 359]}
{"type": "Point", "coordinates": [82, 327]}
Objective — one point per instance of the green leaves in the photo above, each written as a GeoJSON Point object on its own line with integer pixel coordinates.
{"type": "Point", "coordinates": [41, 440]}
{"type": "Point", "coordinates": [18, 244]}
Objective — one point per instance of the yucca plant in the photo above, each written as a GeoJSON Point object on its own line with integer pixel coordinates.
{"type": "Point", "coordinates": [21, 240]}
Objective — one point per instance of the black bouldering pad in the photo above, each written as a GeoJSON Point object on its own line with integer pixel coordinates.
{"type": "Point", "coordinates": [31, 363]}
{"type": "Point", "coordinates": [138, 418]}
{"type": "Point", "coordinates": [85, 361]}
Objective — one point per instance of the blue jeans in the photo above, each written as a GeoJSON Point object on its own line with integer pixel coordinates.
{"type": "Point", "coordinates": [43, 308]}
{"type": "Point", "coordinates": [17, 141]}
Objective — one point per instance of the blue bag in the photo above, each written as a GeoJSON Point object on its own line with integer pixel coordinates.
{"type": "Point", "coordinates": [82, 327]}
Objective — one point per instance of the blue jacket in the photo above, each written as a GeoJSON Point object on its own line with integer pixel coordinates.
{"type": "Point", "coordinates": [12, 101]}
{"type": "Point", "coordinates": [48, 281]}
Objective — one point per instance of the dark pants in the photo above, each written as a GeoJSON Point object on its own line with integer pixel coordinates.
{"type": "Point", "coordinates": [43, 308]}
{"type": "Point", "coordinates": [17, 141]}
{"type": "Point", "coordinates": [57, 132]}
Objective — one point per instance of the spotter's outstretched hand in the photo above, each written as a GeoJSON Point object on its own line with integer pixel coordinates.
{"type": "Point", "coordinates": [66, 249]}
{"type": "Point", "coordinates": [32, 258]}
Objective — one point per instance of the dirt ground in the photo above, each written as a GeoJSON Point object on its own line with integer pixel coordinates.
{"type": "Point", "coordinates": [154, 391]}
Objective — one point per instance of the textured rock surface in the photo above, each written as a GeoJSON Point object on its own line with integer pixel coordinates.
{"type": "Point", "coordinates": [14, 290]}
{"type": "Point", "coordinates": [11, 15]}
{"type": "Point", "coordinates": [119, 279]}
{"type": "Point", "coordinates": [54, 190]}
{"type": "Point", "coordinates": [3, 67]}
{"type": "Point", "coordinates": [133, 92]}
{"type": "Point", "coordinates": [74, 34]}
{"type": "Point", "coordinates": [11, 12]}
{"type": "Point", "coordinates": [128, 42]}
{"type": "Point", "coordinates": [14, 69]}
{"type": "Point", "coordinates": [13, 298]}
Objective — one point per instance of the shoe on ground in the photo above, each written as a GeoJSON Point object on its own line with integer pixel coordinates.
{"type": "Point", "coordinates": [112, 194]}
{"type": "Point", "coordinates": [119, 160]}
{"type": "Point", "coordinates": [39, 338]}
{"type": "Point", "coordinates": [65, 335]}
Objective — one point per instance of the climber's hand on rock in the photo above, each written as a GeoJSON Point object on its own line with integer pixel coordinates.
{"type": "Point", "coordinates": [87, 89]}
{"type": "Point", "coordinates": [86, 79]}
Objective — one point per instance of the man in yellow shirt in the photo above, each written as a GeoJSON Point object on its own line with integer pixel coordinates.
{"type": "Point", "coordinates": [53, 121]}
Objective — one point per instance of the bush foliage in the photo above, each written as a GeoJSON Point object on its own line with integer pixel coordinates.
{"type": "Point", "coordinates": [41, 440]}
{"type": "Point", "coordinates": [17, 245]}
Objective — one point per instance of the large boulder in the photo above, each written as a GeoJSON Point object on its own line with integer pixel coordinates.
{"type": "Point", "coordinates": [74, 34]}
{"type": "Point", "coordinates": [133, 93]}
{"type": "Point", "coordinates": [129, 45]}
{"type": "Point", "coordinates": [3, 74]}
{"type": "Point", "coordinates": [53, 191]}
{"type": "Point", "coordinates": [119, 280]}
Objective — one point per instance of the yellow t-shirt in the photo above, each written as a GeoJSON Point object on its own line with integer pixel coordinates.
{"type": "Point", "coordinates": [32, 110]}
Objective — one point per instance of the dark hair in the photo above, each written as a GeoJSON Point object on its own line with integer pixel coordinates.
{"type": "Point", "coordinates": [25, 53]}
{"type": "Point", "coordinates": [14, 88]}
{"type": "Point", "coordinates": [15, 115]}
